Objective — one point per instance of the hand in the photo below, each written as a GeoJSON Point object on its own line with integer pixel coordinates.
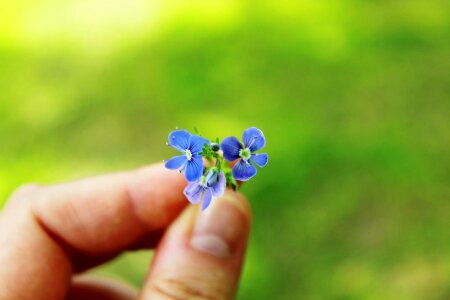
{"type": "Point", "coordinates": [49, 235]}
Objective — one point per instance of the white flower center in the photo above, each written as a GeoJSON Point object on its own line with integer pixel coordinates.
{"type": "Point", "coordinates": [188, 154]}
{"type": "Point", "coordinates": [245, 154]}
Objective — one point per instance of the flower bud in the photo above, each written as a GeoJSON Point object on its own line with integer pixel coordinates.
{"type": "Point", "coordinates": [215, 147]}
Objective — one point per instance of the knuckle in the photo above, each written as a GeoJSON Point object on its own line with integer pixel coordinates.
{"type": "Point", "coordinates": [187, 288]}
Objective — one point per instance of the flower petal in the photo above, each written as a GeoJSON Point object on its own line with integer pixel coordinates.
{"type": "Point", "coordinates": [219, 188]}
{"type": "Point", "coordinates": [260, 159]}
{"type": "Point", "coordinates": [212, 177]}
{"type": "Point", "coordinates": [243, 170]}
{"type": "Point", "coordinates": [179, 139]}
{"type": "Point", "coordinates": [207, 197]}
{"type": "Point", "coordinates": [193, 192]}
{"type": "Point", "coordinates": [176, 162]}
{"type": "Point", "coordinates": [231, 147]}
{"type": "Point", "coordinates": [194, 168]}
{"type": "Point", "coordinates": [196, 144]}
{"type": "Point", "coordinates": [254, 139]}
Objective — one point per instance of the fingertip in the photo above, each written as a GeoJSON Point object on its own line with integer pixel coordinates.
{"type": "Point", "coordinates": [156, 194]}
{"type": "Point", "coordinates": [226, 223]}
{"type": "Point", "coordinates": [240, 201]}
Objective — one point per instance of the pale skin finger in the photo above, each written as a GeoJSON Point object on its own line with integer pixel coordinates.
{"type": "Point", "coordinates": [201, 254]}
{"type": "Point", "coordinates": [48, 232]}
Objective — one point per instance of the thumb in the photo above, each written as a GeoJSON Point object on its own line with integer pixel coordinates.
{"type": "Point", "coordinates": [201, 254]}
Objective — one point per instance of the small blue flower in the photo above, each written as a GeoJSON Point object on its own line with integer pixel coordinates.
{"type": "Point", "coordinates": [212, 184]}
{"type": "Point", "coordinates": [254, 140]}
{"type": "Point", "coordinates": [191, 162]}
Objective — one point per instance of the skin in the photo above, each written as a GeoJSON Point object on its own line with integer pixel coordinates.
{"type": "Point", "coordinates": [51, 235]}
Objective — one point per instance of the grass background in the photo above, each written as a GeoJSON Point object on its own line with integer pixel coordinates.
{"type": "Point", "coordinates": [353, 97]}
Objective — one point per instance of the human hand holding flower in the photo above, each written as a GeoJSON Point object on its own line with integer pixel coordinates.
{"type": "Point", "coordinates": [51, 235]}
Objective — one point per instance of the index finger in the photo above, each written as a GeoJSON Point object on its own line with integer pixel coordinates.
{"type": "Point", "coordinates": [42, 229]}
{"type": "Point", "coordinates": [110, 212]}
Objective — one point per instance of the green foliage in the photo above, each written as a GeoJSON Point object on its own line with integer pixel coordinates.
{"type": "Point", "coordinates": [352, 97]}
{"type": "Point", "coordinates": [230, 179]}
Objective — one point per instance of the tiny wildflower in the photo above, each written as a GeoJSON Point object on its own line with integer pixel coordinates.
{"type": "Point", "coordinates": [253, 140]}
{"type": "Point", "coordinates": [191, 162]}
{"type": "Point", "coordinates": [208, 170]}
{"type": "Point", "coordinates": [208, 186]}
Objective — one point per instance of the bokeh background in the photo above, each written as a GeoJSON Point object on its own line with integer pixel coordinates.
{"type": "Point", "coordinates": [353, 97]}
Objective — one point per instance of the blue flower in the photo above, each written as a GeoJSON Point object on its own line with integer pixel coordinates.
{"type": "Point", "coordinates": [254, 140]}
{"type": "Point", "coordinates": [212, 184]}
{"type": "Point", "coordinates": [191, 162]}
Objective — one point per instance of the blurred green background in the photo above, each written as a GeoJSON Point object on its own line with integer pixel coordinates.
{"type": "Point", "coordinates": [353, 97]}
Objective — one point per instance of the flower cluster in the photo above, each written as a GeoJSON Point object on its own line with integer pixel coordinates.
{"type": "Point", "coordinates": [210, 166]}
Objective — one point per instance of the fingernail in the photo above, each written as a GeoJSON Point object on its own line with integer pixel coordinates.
{"type": "Point", "coordinates": [220, 229]}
